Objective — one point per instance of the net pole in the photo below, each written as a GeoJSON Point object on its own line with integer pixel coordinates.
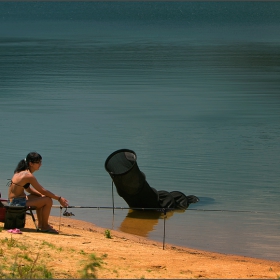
{"type": "Point", "coordinates": [113, 197]}
{"type": "Point", "coordinates": [164, 218]}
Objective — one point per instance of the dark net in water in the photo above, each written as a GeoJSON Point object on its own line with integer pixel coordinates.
{"type": "Point", "coordinates": [132, 186]}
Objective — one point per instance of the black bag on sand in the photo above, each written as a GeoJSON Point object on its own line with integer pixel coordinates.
{"type": "Point", "coordinates": [15, 217]}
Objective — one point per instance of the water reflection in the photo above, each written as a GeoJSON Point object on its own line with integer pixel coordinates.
{"type": "Point", "coordinates": [141, 223]}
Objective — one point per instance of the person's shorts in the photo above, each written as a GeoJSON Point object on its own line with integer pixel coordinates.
{"type": "Point", "coordinates": [18, 201]}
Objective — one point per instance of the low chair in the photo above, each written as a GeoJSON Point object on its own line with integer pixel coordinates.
{"type": "Point", "coordinates": [14, 216]}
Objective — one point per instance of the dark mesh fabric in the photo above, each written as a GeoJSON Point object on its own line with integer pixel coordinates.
{"type": "Point", "coordinates": [130, 181]}
{"type": "Point", "coordinates": [132, 186]}
{"type": "Point", "coordinates": [120, 163]}
{"type": "Point", "coordinates": [166, 199]}
{"type": "Point", "coordinates": [183, 201]}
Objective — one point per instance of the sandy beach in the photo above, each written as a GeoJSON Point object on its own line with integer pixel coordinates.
{"type": "Point", "coordinates": [124, 255]}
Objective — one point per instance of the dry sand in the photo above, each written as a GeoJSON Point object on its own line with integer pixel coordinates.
{"type": "Point", "coordinates": [131, 257]}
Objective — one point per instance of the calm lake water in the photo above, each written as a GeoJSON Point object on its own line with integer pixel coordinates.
{"type": "Point", "coordinates": [192, 87]}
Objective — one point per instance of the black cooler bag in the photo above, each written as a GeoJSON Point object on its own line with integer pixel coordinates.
{"type": "Point", "coordinates": [15, 217]}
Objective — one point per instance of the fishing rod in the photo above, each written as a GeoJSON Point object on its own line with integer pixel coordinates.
{"type": "Point", "coordinates": [167, 209]}
{"type": "Point", "coordinates": [118, 208]}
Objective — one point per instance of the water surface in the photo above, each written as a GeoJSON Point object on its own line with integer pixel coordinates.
{"type": "Point", "coordinates": [191, 87]}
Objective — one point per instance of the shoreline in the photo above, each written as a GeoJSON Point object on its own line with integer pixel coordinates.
{"type": "Point", "coordinates": [133, 257]}
{"type": "Point", "coordinates": [135, 233]}
{"type": "Point", "coordinates": [85, 225]}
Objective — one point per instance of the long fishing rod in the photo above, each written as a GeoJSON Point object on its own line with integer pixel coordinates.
{"type": "Point", "coordinates": [167, 209]}
{"type": "Point", "coordinates": [118, 208]}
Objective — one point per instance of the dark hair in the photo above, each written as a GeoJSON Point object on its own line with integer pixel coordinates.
{"type": "Point", "coordinates": [24, 163]}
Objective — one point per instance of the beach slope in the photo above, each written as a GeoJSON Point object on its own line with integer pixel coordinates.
{"type": "Point", "coordinates": [69, 255]}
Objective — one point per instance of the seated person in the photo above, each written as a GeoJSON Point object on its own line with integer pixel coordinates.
{"type": "Point", "coordinates": [39, 197]}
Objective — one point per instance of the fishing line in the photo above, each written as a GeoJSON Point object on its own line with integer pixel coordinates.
{"type": "Point", "coordinates": [118, 208]}
{"type": "Point", "coordinates": [234, 211]}
{"type": "Point", "coordinates": [169, 209]}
